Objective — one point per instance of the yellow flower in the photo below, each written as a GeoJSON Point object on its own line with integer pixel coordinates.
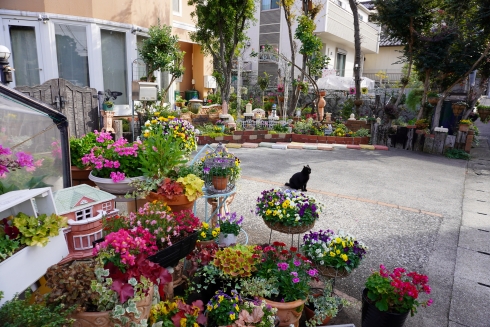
{"type": "Point", "coordinates": [232, 316]}
{"type": "Point", "coordinates": [338, 240]}
{"type": "Point", "coordinates": [147, 124]}
{"type": "Point", "coordinates": [214, 233]}
{"type": "Point", "coordinates": [183, 322]}
{"type": "Point", "coordinates": [205, 225]}
{"type": "Point", "coordinates": [146, 134]}
{"type": "Point", "coordinates": [343, 244]}
{"type": "Point", "coordinates": [171, 117]}
{"type": "Point", "coordinates": [332, 254]}
{"type": "Point", "coordinates": [338, 251]}
{"type": "Point", "coordinates": [220, 298]}
{"type": "Point", "coordinates": [344, 257]}
{"type": "Point", "coordinates": [157, 113]}
{"type": "Point", "coordinates": [153, 121]}
{"type": "Point", "coordinates": [161, 118]}
{"type": "Point", "coordinates": [203, 234]}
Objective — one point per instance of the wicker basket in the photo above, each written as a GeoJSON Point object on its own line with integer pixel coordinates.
{"type": "Point", "coordinates": [289, 229]}
{"type": "Point", "coordinates": [331, 272]}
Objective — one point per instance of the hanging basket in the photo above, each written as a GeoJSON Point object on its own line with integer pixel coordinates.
{"type": "Point", "coordinates": [331, 272]}
{"type": "Point", "coordinates": [458, 109]}
{"type": "Point", "coordinates": [484, 114]}
{"type": "Point", "coordinates": [358, 102]}
{"type": "Point", "coordinates": [433, 100]}
{"type": "Point", "coordinates": [289, 229]}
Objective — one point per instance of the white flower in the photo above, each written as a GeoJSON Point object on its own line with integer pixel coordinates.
{"type": "Point", "coordinates": [321, 262]}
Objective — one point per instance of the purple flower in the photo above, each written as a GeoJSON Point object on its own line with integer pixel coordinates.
{"type": "Point", "coordinates": [283, 266]}
{"type": "Point", "coordinates": [297, 263]}
{"type": "Point", "coordinates": [296, 280]}
{"type": "Point", "coordinates": [294, 273]}
{"type": "Point", "coordinates": [312, 272]}
{"type": "Point", "coordinates": [206, 170]}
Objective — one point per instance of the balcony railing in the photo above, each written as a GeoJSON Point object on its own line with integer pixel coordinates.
{"type": "Point", "coordinates": [340, 23]}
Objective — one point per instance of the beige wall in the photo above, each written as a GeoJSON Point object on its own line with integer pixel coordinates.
{"type": "Point", "coordinates": [186, 83]}
{"type": "Point", "coordinates": [384, 60]}
{"type": "Point", "coordinates": [137, 12]}
{"type": "Point", "coordinates": [202, 66]}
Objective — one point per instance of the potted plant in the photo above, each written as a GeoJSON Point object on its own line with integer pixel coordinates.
{"type": "Point", "coordinates": [484, 113]}
{"type": "Point", "coordinates": [219, 169]}
{"type": "Point", "coordinates": [464, 125]}
{"type": "Point", "coordinates": [433, 98]}
{"type": "Point", "coordinates": [390, 296]}
{"type": "Point", "coordinates": [108, 105]}
{"type": "Point", "coordinates": [24, 312]}
{"type": "Point", "coordinates": [78, 148]}
{"type": "Point", "coordinates": [229, 227]}
{"type": "Point", "coordinates": [458, 107]}
{"type": "Point", "coordinates": [124, 276]}
{"type": "Point", "coordinates": [283, 277]}
{"type": "Point", "coordinates": [227, 268]}
{"type": "Point", "coordinates": [175, 232]}
{"type": "Point", "coordinates": [422, 123]}
{"type": "Point", "coordinates": [113, 164]}
{"type": "Point", "coordinates": [232, 310]}
{"type": "Point", "coordinates": [179, 101]}
{"type": "Point", "coordinates": [177, 313]}
{"type": "Point", "coordinates": [334, 255]}
{"type": "Point", "coordinates": [288, 211]}
{"type": "Point", "coordinates": [322, 306]}
{"type": "Point", "coordinates": [221, 125]}
{"type": "Point", "coordinates": [207, 235]}
{"type": "Point", "coordinates": [167, 145]}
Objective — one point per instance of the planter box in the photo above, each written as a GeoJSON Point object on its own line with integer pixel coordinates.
{"type": "Point", "coordinates": [170, 256]}
{"type": "Point", "coordinates": [25, 267]}
{"type": "Point", "coordinates": [331, 139]}
{"type": "Point", "coordinates": [296, 137]}
{"type": "Point", "coordinates": [322, 139]}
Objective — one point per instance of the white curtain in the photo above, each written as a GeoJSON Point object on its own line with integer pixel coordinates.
{"type": "Point", "coordinates": [114, 63]}
{"type": "Point", "coordinates": [24, 55]}
{"type": "Point", "coordinates": [71, 50]}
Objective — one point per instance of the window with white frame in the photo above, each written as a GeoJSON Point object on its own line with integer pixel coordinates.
{"type": "Point", "coordinates": [361, 17]}
{"type": "Point", "coordinates": [114, 67]}
{"type": "Point", "coordinates": [83, 214]}
{"type": "Point", "coordinates": [340, 63]}
{"type": "Point", "coordinates": [270, 4]}
{"type": "Point", "coordinates": [72, 54]}
{"type": "Point", "coordinates": [176, 6]}
{"type": "Point", "coordinates": [339, 3]}
{"type": "Point", "coordinates": [107, 206]}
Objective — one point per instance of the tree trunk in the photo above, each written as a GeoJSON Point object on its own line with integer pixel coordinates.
{"type": "Point", "coordinates": [424, 96]}
{"type": "Point", "coordinates": [409, 70]}
{"type": "Point", "coordinates": [357, 47]}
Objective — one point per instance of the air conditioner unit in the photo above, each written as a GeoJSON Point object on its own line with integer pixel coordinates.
{"type": "Point", "coordinates": [209, 82]}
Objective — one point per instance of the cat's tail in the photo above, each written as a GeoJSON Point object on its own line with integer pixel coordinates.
{"type": "Point", "coordinates": [287, 184]}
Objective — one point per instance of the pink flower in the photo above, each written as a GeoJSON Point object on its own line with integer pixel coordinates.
{"type": "Point", "coordinates": [296, 280]}
{"type": "Point", "coordinates": [312, 272]}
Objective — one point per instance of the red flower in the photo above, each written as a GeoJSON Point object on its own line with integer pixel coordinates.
{"type": "Point", "coordinates": [293, 249]}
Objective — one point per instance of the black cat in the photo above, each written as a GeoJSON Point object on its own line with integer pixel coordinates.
{"type": "Point", "coordinates": [299, 180]}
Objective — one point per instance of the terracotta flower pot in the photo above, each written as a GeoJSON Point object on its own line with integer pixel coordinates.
{"type": "Point", "coordinates": [220, 182]}
{"type": "Point", "coordinates": [177, 203]}
{"type": "Point", "coordinates": [310, 313]}
{"type": "Point", "coordinates": [80, 176]}
{"type": "Point", "coordinates": [288, 312]}
{"type": "Point", "coordinates": [202, 244]}
{"type": "Point", "coordinates": [103, 319]}
{"type": "Point", "coordinates": [464, 128]}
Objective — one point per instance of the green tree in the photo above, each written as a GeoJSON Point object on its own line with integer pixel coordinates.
{"type": "Point", "coordinates": [161, 51]}
{"type": "Point", "coordinates": [220, 29]}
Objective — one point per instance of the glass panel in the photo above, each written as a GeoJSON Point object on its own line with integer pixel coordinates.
{"type": "Point", "coordinates": [274, 4]}
{"type": "Point", "coordinates": [176, 5]}
{"type": "Point", "coordinates": [139, 68]}
{"type": "Point", "coordinates": [266, 4]}
{"type": "Point", "coordinates": [28, 130]}
{"type": "Point", "coordinates": [24, 55]}
{"type": "Point", "coordinates": [114, 63]}
{"type": "Point", "coordinates": [340, 64]}
{"type": "Point", "coordinates": [71, 49]}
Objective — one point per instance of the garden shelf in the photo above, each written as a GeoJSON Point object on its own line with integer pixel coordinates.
{"type": "Point", "coordinates": [24, 268]}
